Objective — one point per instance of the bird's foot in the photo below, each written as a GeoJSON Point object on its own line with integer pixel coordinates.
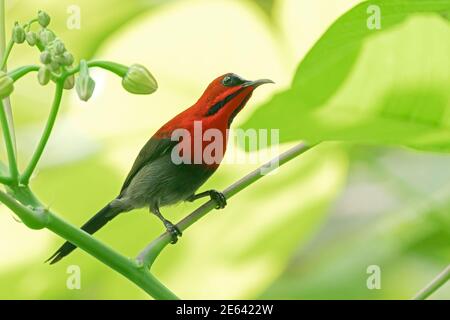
{"type": "Point", "coordinates": [173, 230]}
{"type": "Point", "coordinates": [219, 198]}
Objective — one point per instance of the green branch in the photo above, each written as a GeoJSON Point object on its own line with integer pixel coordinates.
{"type": "Point", "coordinates": [27, 26]}
{"type": "Point", "coordinates": [435, 284]}
{"type": "Point", "coordinates": [18, 73]}
{"type": "Point", "coordinates": [116, 68]}
{"type": "Point", "coordinates": [6, 54]}
{"type": "Point", "coordinates": [32, 218]}
{"type": "Point", "coordinates": [128, 268]}
{"type": "Point", "coordinates": [6, 112]}
{"type": "Point", "coordinates": [6, 180]}
{"type": "Point", "coordinates": [25, 178]}
{"type": "Point", "coordinates": [9, 143]}
{"type": "Point", "coordinates": [148, 256]}
{"type": "Point", "coordinates": [40, 217]}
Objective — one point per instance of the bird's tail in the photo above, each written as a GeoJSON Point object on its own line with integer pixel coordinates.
{"type": "Point", "coordinates": [94, 224]}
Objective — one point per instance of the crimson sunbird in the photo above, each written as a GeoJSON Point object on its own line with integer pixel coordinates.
{"type": "Point", "coordinates": [155, 180]}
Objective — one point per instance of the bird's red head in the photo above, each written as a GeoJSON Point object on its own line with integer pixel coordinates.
{"type": "Point", "coordinates": [216, 109]}
{"type": "Point", "coordinates": [225, 97]}
{"type": "Point", "coordinates": [218, 105]}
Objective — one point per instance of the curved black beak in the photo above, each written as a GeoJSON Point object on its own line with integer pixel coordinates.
{"type": "Point", "coordinates": [257, 83]}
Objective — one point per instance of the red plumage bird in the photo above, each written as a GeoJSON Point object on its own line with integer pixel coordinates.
{"type": "Point", "coordinates": [156, 180]}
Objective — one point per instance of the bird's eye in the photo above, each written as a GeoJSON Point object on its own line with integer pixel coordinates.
{"type": "Point", "coordinates": [227, 81]}
{"type": "Point", "coordinates": [232, 80]}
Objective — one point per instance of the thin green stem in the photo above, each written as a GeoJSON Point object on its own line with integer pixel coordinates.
{"type": "Point", "coordinates": [2, 29]}
{"type": "Point", "coordinates": [7, 51]}
{"type": "Point", "coordinates": [18, 73]}
{"type": "Point", "coordinates": [6, 180]}
{"type": "Point", "coordinates": [33, 219]}
{"type": "Point", "coordinates": [13, 171]}
{"type": "Point", "coordinates": [6, 54]}
{"type": "Point", "coordinates": [434, 285]}
{"type": "Point", "coordinates": [6, 112]}
{"type": "Point", "coordinates": [117, 68]}
{"type": "Point", "coordinates": [29, 24]}
{"type": "Point", "coordinates": [148, 256]}
{"type": "Point", "coordinates": [25, 178]}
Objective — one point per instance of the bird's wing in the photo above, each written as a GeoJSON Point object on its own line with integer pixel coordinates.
{"type": "Point", "coordinates": [153, 149]}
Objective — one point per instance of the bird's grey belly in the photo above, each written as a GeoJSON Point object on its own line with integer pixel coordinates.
{"type": "Point", "coordinates": [162, 183]}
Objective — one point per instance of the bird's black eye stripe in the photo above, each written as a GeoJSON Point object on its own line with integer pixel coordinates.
{"type": "Point", "coordinates": [219, 105]}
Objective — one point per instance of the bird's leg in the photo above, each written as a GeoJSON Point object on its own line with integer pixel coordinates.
{"type": "Point", "coordinates": [170, 227]}
{"type": "Point", "coordinates": [215, 195]}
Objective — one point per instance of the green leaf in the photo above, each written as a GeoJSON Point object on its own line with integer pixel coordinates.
{"type": "Point", "coordinates": [386, 86]}
{"type": "Point", "coordinates": [390, 215]}
{"type": "Point", "coordinates": [266, 6]}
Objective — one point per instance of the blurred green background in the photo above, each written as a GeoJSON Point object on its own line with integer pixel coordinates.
{"type": "Point", "coordinates": [310, 231]}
